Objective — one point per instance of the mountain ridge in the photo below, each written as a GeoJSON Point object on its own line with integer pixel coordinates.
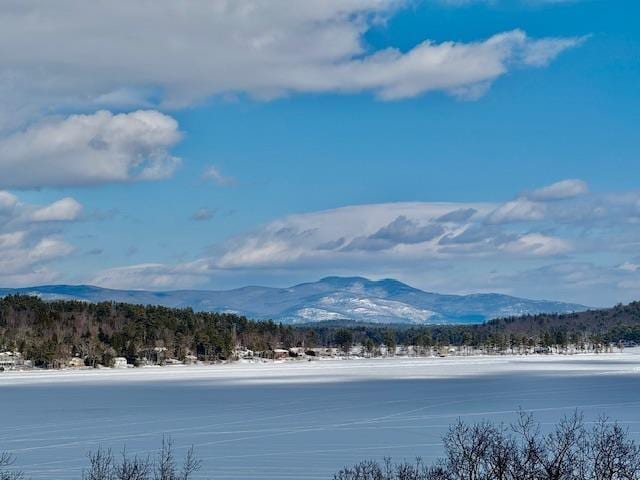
{"type": "Point", "coordinates": [355, 298]}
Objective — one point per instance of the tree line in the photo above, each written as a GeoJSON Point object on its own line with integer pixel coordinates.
{"type": "Point", "coordinates": [49, 331]}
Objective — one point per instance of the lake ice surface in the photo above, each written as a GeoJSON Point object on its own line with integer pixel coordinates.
{"type": "Point", "coordinates": [301, 420]}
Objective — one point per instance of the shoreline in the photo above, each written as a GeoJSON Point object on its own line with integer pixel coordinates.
{"type": "Point", "coordinates": [292, 371]}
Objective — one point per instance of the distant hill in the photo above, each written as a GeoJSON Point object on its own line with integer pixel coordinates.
{"type": "Point", "coordinates": [333, 298]}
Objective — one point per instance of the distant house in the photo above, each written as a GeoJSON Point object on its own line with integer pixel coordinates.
{"type": "Point", "coordinates": [280, 353]}
{"type": "Point", "coordinates": [119, 362]}
{"type": "Point", "coordinates": [324, 352]}
{"type": "Point", "coordinates": [356, 350]}
{"type": "Point", "coordinates": [10, 360]}
{"type": "Point", "coordinates": [190, 359]}
{"type": "Point", "coordinates": [242, 352]}
{"type": "Point", "coordinates": [75, 362]}
{"type": "Point", "coordinates": [155, 355]}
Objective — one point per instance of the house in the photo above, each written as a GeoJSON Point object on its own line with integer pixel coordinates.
{"type": "Point", "coordinates": [75, 362]}
{"type": "Point", "coordinates": [280, 353]}
{"type": "Point", "coordinates": [242, 352]}
{"type": "Point", "coordinates": [10, 360]}
{"type": "Point", "coordinates": [190, 359]}
{"type": "Point", "coordinates": [356, 350]}
{"type": "Point", "coordinates": [119, 362]}
{"type": "Point", "coordinates": [155, 355]}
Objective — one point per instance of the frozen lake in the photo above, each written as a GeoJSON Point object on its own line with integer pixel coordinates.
{"type": "Point", "coordinates": [297, 420]}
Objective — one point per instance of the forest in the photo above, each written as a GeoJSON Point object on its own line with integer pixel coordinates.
{"type": "Point", "coordinates": [47, 332]}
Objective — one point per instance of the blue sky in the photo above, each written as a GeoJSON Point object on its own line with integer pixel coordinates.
{"type": "Point", "coordinates": [213, 146]}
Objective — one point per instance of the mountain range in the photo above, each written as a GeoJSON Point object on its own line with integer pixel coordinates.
{"type": "Point", "coordinates": [332, 298]}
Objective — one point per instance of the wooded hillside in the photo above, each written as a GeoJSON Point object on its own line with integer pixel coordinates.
{"type": "Point", "coordinates": [47, 332]}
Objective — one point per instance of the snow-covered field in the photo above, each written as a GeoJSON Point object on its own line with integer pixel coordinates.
{"type": "Point", "coordinates": [297, 420]}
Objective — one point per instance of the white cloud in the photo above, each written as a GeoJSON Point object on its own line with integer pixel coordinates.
{"type": "Point", "coordinates": [560, 190]}
{"type": "Point", "coordinates": [90, 149]}
{"type": "Point", "coordinates": [11, 239]}
{"type": "Point", "coordinates": [133, 54]}
{"type": "Point", "coordinates": [630, 267]}
{"type": "Point", "coordinates": [538, 244]}
{"type": "Point", "coordinates": [154, 276]}
{"type": "Point", "coordinates": [66, 209]}
{"type": "Point", "coordinates": [213, 174]}
{"type": "Point", "coordinates": [385, 234]}
{"type": "Point", "coordinates": [309, 237]}
{"type": "Point", "coordinates": [585, 282]}
{"type": "Point", "coordinates": [7, 201]}
{"type": "Point", "coordinates": [25, 256]}
{"type": "Point", "coordinates": [49, 249]}
{"type": "Point", "coordinates": [541, 249]}
{"type": "Point", "coordinates": [519, 210]}
{"type": "Point", "coordinates": [29, 242]}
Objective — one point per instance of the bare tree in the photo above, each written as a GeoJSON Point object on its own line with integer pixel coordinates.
{"type": "Point", "coordinates": [610, 454]}
{"type": "Point", "coordinates": [6, 471]}
{"type": "Point", "coordinates": [484, 451]}
{"type": "Point", "coordinates": [191, 464]}
{"type": "Point", "coordinates": [101, 466]}
{"type": "Point", "coordinates": [133, 468]}
{"type": "Point", "coordinates": [167, 468]}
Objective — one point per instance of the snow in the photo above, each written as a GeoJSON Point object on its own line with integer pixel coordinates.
{"type": "Point", "coordinates": [297, 419]}
{"type": "Point", "coordinates": [317, 314]}
{"type": "Point", "coordinates": [340, 370]}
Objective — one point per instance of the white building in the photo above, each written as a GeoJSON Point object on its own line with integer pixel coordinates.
{"type": "Point", "coordinates": [119, 362]}
{"type": "Point", "coordinates": [10, 360]}
{"type": "Point", "coordinates": [76, 362]}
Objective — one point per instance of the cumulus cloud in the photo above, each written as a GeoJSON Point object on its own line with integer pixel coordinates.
{"type": "Point", "coordinates": [90, 149]}
{"type": "Point", "coordinates": [29, 240]}
{"type": "Point", "coordinates": [11, 239]}
{"type": "Point", "coordinates": [7, 201]}
{"type": "Point", "coordinates": [66, 209]}
{"type": "Point", "coordinates": [560, 190]}
{"type": "Point", "coordinates": [23, 255]}
{"type": "Point", "coordinates": [131, 54]}
{"type": "Point", "coordinates": [48, 249]}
